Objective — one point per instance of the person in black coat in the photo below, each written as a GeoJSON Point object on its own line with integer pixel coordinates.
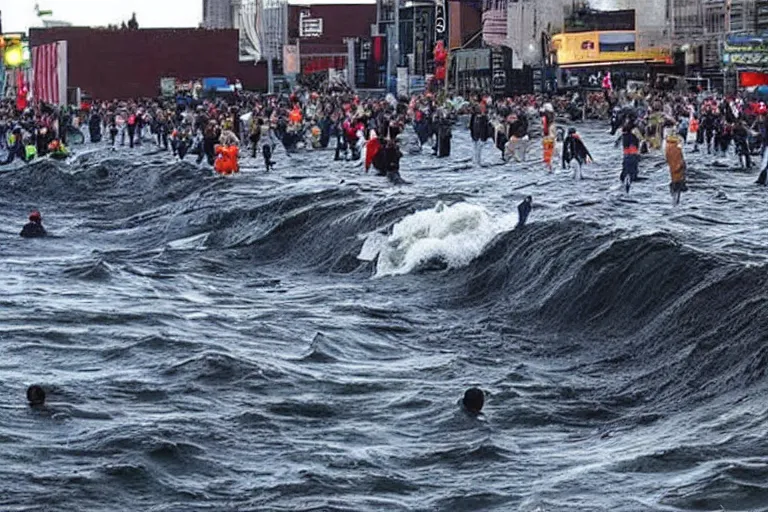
{"type": "Point", "coordinates": [443, 139]}
{"type": "Point", "coordinates": [94, 127]}
{"type": "Point", "coordinates": [387, 162]}
{"type": "Point", "coordinates": [523, 210]}
{"type": "Point", "coordinates": [479, 130]}
{"type": "Point", "coordinates": [16, 150]}
{"type": "Point", "coordinates": [575, 150]}
{"type": "Point", "coordinates": [34, 228]}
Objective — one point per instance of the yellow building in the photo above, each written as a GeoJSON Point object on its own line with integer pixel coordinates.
{"type": "Point", "coordinates": [605, 48]}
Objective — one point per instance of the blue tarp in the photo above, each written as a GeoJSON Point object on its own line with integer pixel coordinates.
{"type": "Point", "coordinates": [215, 83]}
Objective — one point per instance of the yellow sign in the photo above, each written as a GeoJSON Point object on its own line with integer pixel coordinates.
{"type": "Point", "coordinates": [13, 56]}
{"type": "Point", "coordinates": [583, 49]}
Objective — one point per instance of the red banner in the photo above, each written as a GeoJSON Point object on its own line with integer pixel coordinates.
{"type": "Point", "coordinates": [314, 64]}
{"type": "Point", "coordinates": [752, 78]}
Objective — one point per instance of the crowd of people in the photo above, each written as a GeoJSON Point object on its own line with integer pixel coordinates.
{"type": "Point", "coordinates": [219, 131]}
{"type": "Point", "coordinates": [526, 129]}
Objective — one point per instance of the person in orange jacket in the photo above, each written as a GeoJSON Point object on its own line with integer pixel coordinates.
{"type": "Point", "coordinates": [227, 153]}
{"type": "Point", "coordinates": [676, 163]}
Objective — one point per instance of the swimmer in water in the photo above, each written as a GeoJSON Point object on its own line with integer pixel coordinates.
{"type": "Point", "coordinates": [473, 401]}
{"type": "Point", "coordinates": [35, 396]}
{"type": "Point", "coordinates": [34, 228]}
{"type": "Point", "coordinates": [37, 400]}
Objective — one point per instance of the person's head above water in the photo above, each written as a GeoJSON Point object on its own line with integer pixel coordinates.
{"type": "Point", "coordinates": [35, 395]}
{"type": "Point", "coordinates": [35, 216]}
{"type": "Point", "coordinates": [473, 401]}
{"type": "Point", "coordinates": [529, 199]}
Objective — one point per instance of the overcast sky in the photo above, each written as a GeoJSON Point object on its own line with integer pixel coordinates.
{"type": "Point", "coordinates": [19, 15]}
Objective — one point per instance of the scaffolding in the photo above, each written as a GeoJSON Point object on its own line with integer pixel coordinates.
{"type": "Point", "coordinates": [246, 21]}
{"type": "Point", "coordinates": [761, 15]}
{"type": "Point", "coordinates": [263, 27]}
{"type": "Point", "coordinates": [273, 27]}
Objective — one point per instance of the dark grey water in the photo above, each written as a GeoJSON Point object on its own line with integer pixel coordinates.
{"type": "Point", "coordinates": [236, 344]}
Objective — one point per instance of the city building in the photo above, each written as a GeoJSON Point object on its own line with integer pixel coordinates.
{"type": "Point", "coordinates": [219, 14]}
{"type": "Point", "coordinates": [261, 25]}
{"type": "Point", "coordinates": [464, 23]}
{"type": "Point", "coordinates": [599, 41]}
{"type": "Point", "coordinates": [322, 33]}
{"type": "Point", "coordinates": [652, 22]}
{"type": "Point", "coordinates": [530, 24]}
{"type": "Point", "coordinates": [761, 15]}
{"type": "Point", "coordinates": [700, 27]}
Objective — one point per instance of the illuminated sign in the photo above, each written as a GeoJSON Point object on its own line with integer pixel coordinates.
{"type": "Point", "coordinates": [440, 16]}
{"type": "Point", "coordinates": [596, 48]}
{"type": "Point", "coordinates": [310, 27]}
{"type": "Point", "coordinates": [15, 50]}
{"type": "Point", "coordinates": [746, 51]}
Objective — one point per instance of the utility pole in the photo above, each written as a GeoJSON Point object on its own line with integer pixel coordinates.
{"type": "Point", "coordinates": [389, 44]}
{"type": "Point", "coordinates": [396, 52]}
{"type": "Point", "coordinates": [350, 42]}
{"type": "Point", "coordinates": [270, 57]}
{"type": "Point", "coordinates": [727, 25]}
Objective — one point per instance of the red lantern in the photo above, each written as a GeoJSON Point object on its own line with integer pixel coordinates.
{"type": "Point", "coordinates": [441, 56]}
{"type": "Point", "coordinates": [22, 90]}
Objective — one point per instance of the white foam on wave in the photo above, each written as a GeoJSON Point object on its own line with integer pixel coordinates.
{"type": "Point", "coordinates": [454, 235]}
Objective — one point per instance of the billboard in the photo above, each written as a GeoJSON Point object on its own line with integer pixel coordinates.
{"type": "Point", "coordinates": [616, 42]}
{"type": "Point", "coordinates": [310, 27]}
{"type": "Point", "coordinates": [291, 59]}
{"type": "Point", "coordinates": [746, 52]}
{"type": "Point", "coordinates": [585, 49]}
{"type": "Point", "coordinates": [588, 20]}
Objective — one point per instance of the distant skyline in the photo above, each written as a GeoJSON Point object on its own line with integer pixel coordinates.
{"type": "Point", "coordinates": [19, 15]}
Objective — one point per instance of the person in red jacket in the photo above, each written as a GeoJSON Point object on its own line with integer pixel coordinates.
{"type": "Point", "coordinates": [351, 128]}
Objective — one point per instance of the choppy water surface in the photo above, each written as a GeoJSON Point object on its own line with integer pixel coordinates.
{"type": "Point", "coordinates": [300, 340]}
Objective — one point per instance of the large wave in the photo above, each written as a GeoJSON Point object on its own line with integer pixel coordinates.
{"type": "Point", "coordinates": [693, 322]}
{"type": "Point", "coordinates": [448, 236]}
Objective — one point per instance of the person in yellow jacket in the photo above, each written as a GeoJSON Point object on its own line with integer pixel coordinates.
{"type": "Point", "coordinates": [676, 163]}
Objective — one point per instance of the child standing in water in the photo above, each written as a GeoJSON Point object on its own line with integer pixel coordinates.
{"type": "Point", "coordinates": [676, 163]}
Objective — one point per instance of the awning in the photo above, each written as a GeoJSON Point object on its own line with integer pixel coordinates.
{"type": "Point", "coordinates": [610, 64]}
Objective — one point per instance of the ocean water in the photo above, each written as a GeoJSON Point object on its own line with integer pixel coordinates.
{"type": "Point", "coordinates": [300, 340]}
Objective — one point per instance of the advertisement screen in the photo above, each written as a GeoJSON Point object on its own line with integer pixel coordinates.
{"type": "Point", "coordinates": [617, 42]}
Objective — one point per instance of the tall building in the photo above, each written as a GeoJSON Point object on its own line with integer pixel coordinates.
{"type": "Point", "coordinates": [701, 26]}
{"type": "Point", "coordinates": [529, 22]}
{"type": "Point", "coordinates": [761, 15]}
{"type": "Point", "coordinates": [218, 14]}
{"type": "Point", "coordinates": [262, 25]}
{"type": "Point", "coordinates": [653, 19]}
{"type": "Point", "coordinates": [743, 16]}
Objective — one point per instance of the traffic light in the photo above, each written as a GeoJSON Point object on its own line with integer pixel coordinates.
{"type": "Point", "coordinates": [13, 53]}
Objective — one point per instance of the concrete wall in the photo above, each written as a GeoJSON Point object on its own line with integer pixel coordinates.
{"type": "Point", "coordinates": [130, 63]}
